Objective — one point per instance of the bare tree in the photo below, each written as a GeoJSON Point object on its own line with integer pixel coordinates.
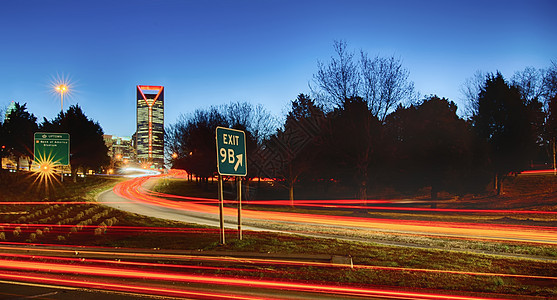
{"type": "Point", "coordinates": [254, 118]}
{"type": "Point", "coordinates": [192, 138]}
{"type": "Point", "coordinates": [530, 82]}
{"type": "Point", "coordinates": [471, 91]}
{"type": "Point", "coordinates": [176, 139]}
{"type": "Point", "coordinates": [550, 81]}
{"type": "Point", "coordinates": [339, 79]}
{"type": "Point", "coordinates": [550, 97]}
{"type": "Point", "coordinates": [381, 81]}
{"type": "Point", "coordinates": [385, 84]}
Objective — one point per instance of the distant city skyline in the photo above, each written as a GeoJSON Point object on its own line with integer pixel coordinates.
{"type": "Point", "coordinates": [214, 52]}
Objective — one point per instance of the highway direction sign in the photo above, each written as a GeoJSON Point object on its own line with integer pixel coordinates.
{"type": "Point", "coordinates": [231, 152]}
{"type": "Point", "coordinates": [53, 148]}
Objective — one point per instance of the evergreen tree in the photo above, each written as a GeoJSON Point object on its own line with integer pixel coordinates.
{"type": "Point", "coordinates": [503, 121]}
{"type": "Point", "coordinates": [430, 146]}
{"type": "Point", "coordinates": [18, 133]}
{"type": "Point", "coordinates": [87, 147]}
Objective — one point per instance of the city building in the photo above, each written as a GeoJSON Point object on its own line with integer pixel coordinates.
{"type": "Point", "coordinates": [120, 150]}
{"type": "Point", "coordinates": [149, 135]}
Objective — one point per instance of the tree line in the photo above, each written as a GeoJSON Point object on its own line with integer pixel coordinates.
{"type": "Point", "coordinates": [364, 127]}
{"type": "Point", "coordinates": [87, 148]}
{"type": "Point", "coordinates": [191, 140]}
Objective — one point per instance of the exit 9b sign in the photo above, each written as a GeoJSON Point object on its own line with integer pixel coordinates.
{"type": "Point", "coordinates": [231, 152]}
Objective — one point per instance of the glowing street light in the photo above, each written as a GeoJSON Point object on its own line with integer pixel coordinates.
{"type": "Point", "coordinates": [62, 88]}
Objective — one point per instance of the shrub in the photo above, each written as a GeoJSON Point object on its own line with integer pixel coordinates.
{"type": "Point", "coordinates": [32, 237]}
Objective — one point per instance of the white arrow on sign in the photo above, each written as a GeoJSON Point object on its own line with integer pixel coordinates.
{"type": "Point", "coordinates": [239, 161]}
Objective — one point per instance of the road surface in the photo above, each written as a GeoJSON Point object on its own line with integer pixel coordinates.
{"type": "Point", "coordinates": [135, 196]}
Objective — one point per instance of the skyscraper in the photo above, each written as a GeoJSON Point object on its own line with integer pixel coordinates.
{"type": "Point", "coordinates": [150, 125]}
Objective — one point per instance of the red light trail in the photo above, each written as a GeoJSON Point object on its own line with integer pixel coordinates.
{"type": "Point", "coordinates": [54, 260]}
{"type": "Point", "coordinates": [539, 172]}
{"type": "Point", "coordinates": [129, 254]}
{"type": "Point", "coordinates": [134, 191]}
{"type": "Point", "coordinates": [49, 203]}
{"type": "Point", "coordinates": [129, 288]}
{"type": "Point", "coordinates": [111, 272]}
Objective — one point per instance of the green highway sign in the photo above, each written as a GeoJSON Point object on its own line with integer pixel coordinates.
{"type": "Point", "coordinates": [231, 152]}
{"type": "Point", "coordinates": [52, 148]}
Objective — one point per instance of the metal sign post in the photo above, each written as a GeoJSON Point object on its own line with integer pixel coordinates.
{"type": "Point", "coordinates": [239, 192]}
{"type": "Point", "coordinates": [221, 211]}
{"type": "Point", "coordinates": [231, 161]}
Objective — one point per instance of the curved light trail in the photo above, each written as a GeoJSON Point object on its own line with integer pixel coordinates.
{"type": "Point", "coordinates": [134, 191]}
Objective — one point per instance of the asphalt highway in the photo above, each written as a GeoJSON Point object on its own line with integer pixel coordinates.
{"type": "Point", "coordinates": [135, 196]}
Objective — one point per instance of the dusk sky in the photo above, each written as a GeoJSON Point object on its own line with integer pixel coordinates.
{"type": "Point", "coordinates": [214, 52]}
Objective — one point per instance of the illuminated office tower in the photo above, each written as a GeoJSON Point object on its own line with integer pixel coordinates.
{"type": "Point", "coordinates": [150, 125]}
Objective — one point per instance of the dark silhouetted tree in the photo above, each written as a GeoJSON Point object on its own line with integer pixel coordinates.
{"type": "Point", "coordinates": [530, 83]}
{"type": "Point", "coordinates": [18, 133]}
{"type": "Point", "coordinates": [87, 147]}
{"type": "Point", "coordinates": [550, 81]}
{"type": "Point", "coordinates": [550, 95]}
{"type": "Point", "coordinates": [384, 84]}
{"type": "Point", "coordinates": [301, 129]}
{"type": "Point", "coordinates": [257, 123]}
{"type": "Point", "coordinates": [339, 79]}
{"type": "Point", "coordinates": [470, 90]}
{"type": "Point", "coordinates": [349, 144]}
{"type": "Point", "coordinates": [3, 150]}
{"type": "Point", "coordinates": [551, 131]}
{"type": "Point", "coordinates": [193, 139]}
{"type": "Point", "coordinates": [430, 146]}
{"type": "Point", "coordinates": [502, 120]}
{"type": "Point", "coordinates": [253, 118]}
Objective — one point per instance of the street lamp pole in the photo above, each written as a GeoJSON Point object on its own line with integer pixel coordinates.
{"type": "Point", "coordinates": [62, 88]}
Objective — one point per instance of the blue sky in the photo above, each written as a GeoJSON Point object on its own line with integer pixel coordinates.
{"type": "Point", "coordinates": [214, 52]}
